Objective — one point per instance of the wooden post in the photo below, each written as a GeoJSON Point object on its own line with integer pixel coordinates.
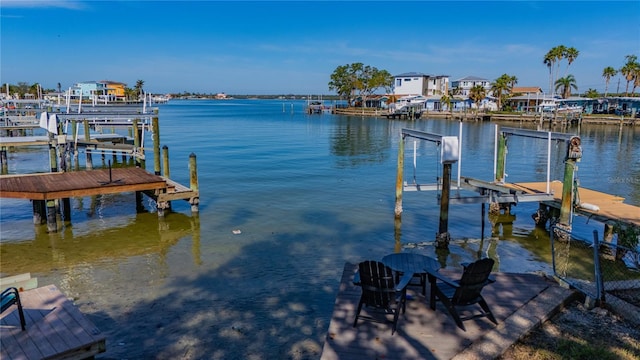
{"type": "Point", "coordinates": [52, 224]}
{"type": "Point", "coordinates": [443, 237]}
{"type": "Point", "coordinates": [3, 160]}
{"type": "Point", "coordinates": [399, 178]}
{"type": "Point", "coordinates": [574, 154]}
{"type": "Point", "coordinates": [501, 158]}
{"type": "Point", "coordinates": [66, 210]}
{"type": "Point", "coordinates": [136, 134]}
{"type": "Point", "coordinates": [193, 182]}
{"type": "Point", "coordinates": [165, 159]}
{"type": "Point", "coordinates": [87, 130]}
{"type": "Point", "coordinates": [89, 161]}
{"type": "Point", "coordinates": [156, 145]}
{"type": "Point", "coordinates": [53, 159]}
{"type": "Point", "coordinates": [39, 212]}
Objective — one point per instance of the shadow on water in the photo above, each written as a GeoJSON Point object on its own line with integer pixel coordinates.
{"type": "Point", "coordinates": [262, 303]}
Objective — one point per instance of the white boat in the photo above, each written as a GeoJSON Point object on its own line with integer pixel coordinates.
{"type": "Point", "coordinates": [411, 105]}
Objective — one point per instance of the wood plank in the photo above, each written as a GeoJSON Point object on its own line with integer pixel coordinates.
{"type": "Point", "coordinates": [56, 329]}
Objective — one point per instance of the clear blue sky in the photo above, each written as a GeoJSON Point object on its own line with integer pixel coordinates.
{"type": "Point", "coordinates": [288, 47]}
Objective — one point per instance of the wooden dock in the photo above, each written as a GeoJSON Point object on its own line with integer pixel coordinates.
{"type": "Point", "coordinates": [55, 329]}
{"type": "Point", "coordinates": [50, 186]}
{"type": "Point", "coordinates": [520, 302]}
{"type": "Point", "coordinates": [46, 188]}
{"type": "Point", "coordinates": [609, 207]}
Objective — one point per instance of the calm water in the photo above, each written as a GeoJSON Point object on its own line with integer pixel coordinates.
{"type": "Point", "coordinates": [307, 193]}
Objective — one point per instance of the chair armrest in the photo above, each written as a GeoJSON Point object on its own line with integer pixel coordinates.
{"type": "Point", "coordinates": [404, 281]}
{"type": "Point", "coordinates": [443, 278]}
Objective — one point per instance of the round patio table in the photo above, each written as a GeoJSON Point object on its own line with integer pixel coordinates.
{"type": "Point", "coordinates": [411, 263]}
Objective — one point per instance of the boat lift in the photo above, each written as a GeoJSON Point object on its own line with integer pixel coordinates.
{"type": "Point", "coordinates": [497, 192]}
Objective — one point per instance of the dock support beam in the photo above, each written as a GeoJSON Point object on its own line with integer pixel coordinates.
{"type": "Point", "coordinates": [443, 238]}
{"type": "Point", "coordinates": [52, 223]}
{"type": "Point", "coordinates": [574, 154]}
{"type": "Point", "coordinates": [193, 182]}
{"type": "Point", "coordinates": [156, 145]}
{"type": "Point", "coordinates": [399, 178]}
{"type": "Point", "coordinates": [39, 212]}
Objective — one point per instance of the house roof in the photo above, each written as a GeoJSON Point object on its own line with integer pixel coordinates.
{"type": "Point", "coordinates": [472, 78]}
{"type": "Point", "coordinates": [526, 89]}
{"type": "Point", "coordinates": [411, 74]}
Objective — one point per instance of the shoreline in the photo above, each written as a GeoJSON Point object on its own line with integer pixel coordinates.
{"type": "Point", "coordinates": [585, 119]}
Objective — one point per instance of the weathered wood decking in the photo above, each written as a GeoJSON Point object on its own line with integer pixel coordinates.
{"type": "Point", "coordinates": [55, 329]}
{"type": "Point", "coordinates": [91, 182]}
{"type": "Point", "coordinates": [76, 184]}
{"type": "Point", "coordinates": [518, 301]}
{"type": "Point", "coordinates": [611, 207]}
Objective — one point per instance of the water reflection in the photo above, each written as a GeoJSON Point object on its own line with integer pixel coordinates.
{"type": "Point", "coordinates": [141, 234]}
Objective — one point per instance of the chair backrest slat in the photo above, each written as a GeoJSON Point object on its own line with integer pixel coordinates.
{"type": "Point", "coordinates": [474, 278]}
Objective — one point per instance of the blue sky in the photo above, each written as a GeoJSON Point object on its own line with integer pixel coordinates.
{"type": "Point", "coordinates": [289, 47]}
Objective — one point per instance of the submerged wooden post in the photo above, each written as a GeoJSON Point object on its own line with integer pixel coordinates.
{"type": "Point", "coordinates": [66, 210]}
{"type": "Point", "coordinates": [574, 154]}
{"type": "Point", "coordinates": [399, 178]}
{"type": "Point", "coordinates": [449, 149]}
{"type": "Point", "coordinates": [165, 159]}
{"type": "Point", "coordinates": [193, 182]}
{"type": "Point", "coordinates": [39, 212]}
{"type": "Point", "coordinates": [443, 237]}
{"type": "Point", "coordinates": [156, 145]}
{"type": "Point", "coordinates": [52, 223]}
{"type": "Point", "coordinates": [89, 160]}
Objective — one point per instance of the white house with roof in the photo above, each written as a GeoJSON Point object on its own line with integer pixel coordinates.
{"type": "Point", "coordinates": [414, 83]}
{"type": "Point", "coordinates": [465, 84]}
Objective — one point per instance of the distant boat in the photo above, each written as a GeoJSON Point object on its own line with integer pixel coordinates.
{"type": "Point", "coordinates": [407, 106]}
{"type": "Point", "coordinates": [317, 107]}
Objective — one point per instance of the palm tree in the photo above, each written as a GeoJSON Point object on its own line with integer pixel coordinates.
{"type": "Point", "coordinates": [607, 74]}
{"type": "Point", "coordinates": [570, 54]}
{"type": "Point", "coordinates": [629, 70]}
{"type": "Point", "coordinates": [501, 87]}
{"type": "Point", "coordinates": [477, 94]}
{"type": "Point", "coordinates": [139, 85]}
{"type": "Point", "coordinates": [591, 93]}
{"type": "Point", "coordinates": [553, 58]}
{"type": "Point", "coordinates": [446, 100]}
{"type": "Point", "coordinates": [565, 84]}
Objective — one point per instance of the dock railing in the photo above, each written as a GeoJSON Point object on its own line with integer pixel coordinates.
{"type": "Point", "coordinates": [607, 273]}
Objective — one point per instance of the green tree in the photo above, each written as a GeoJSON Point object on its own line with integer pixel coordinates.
{"type": "Point", "coordinates": [552, 60]}
{"type": "Point", "coordinates": [629, 70]}
{"type": "Point", "coordinates": [501, 88]}
{"type": "Point", "coordinates": [347, 79]}
{"type": "Point", "coordinates": [570, 54]}
{"type": "Point", "coordinates": [446, 100]}
{"type": "Point", "coordinates": [477, 94]}
{"type": "Point", "coordinates": [607, 74]}
{"type": "Point", "coordinates": [130, 94]}
{"type": "Point", "coordinates": [343, 81]}
{"type": "Point", "coordinates": [591, 93]}
{"type": "Point", "coordinates": [565, 84]}
{"type": "Point", "coordinates": [139, 90]}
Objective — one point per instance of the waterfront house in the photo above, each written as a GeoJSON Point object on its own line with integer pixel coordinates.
{"type": "Point", "coordinates": [115, 90]}
{"type": "Point", "coordinates": [88, 90]}
{"type": "Point", "coordinates": [414, 83]}
{"type": "Point", "coordinates": [465, 84]}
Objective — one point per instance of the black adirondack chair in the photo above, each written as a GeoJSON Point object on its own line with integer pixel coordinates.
{"type": "Point", "coordinates": [465, 292]}
{"type": "Point", "coordinates": [10, 296]}
{"type": "Point", "coordinates": [380, 293]}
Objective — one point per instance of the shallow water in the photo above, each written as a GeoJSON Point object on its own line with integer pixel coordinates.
{"type": "Point", "coordinates": [307, 193]}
